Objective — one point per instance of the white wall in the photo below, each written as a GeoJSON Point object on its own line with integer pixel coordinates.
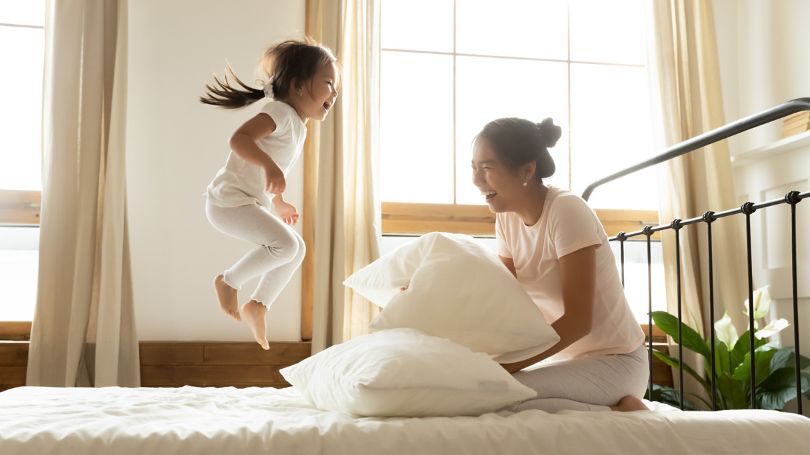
{"type": "Point", "coordinates": [176, 144]}
{"type": "Point", "coordinates": [764, 60]}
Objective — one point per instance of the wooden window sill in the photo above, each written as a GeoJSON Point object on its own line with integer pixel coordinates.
{"type": "Point", "coordinates": [20, 208]}
{"type": "Point", "coordinates": [399, 218]}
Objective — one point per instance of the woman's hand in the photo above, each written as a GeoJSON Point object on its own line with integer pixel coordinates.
{"type": "Point", "coordinates": [274, 178]}
{"type": "Point", "coordinates": [285, 210]}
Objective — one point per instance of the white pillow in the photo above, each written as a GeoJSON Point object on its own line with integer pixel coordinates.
{"type": "Point", "coordinates": [404, 373]}
{"type": "Point", "coordinates": [457, 289]}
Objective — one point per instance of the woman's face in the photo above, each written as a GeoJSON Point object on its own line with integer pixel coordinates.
{"type": "Point", "coordinates": [500, 186]}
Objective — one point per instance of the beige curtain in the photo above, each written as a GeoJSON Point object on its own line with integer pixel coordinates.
{"type": "Point", "coordinates": [686, 66]}
{"type": "Point", "coordinates": [341, 212]}
{"type": "Point", "coordinates": [84, 330]}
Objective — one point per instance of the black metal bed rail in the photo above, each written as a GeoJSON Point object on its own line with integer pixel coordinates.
{"type": "Point", "coordinates": [792, 198]}
{"type": "Point", "coordinates": [708, 138]}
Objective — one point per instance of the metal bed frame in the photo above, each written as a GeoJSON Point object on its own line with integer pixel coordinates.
{"type": "Point", "coordinates": [792, 198]}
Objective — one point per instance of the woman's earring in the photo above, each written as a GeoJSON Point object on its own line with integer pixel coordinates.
{"type": "Point", "coordinates": [525, 183]}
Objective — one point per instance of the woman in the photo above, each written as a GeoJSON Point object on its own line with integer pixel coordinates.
{"type": "Point", "coordinates": [558, 250]}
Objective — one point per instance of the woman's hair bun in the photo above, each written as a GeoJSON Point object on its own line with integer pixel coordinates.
{"type": "Point", "coordinates": [549, 132]}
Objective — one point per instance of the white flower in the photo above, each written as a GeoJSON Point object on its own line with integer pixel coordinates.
{"type": "Point", "coordinates": [762, 302]}
{"type": "Point", "coordinates": [772, 328]}
{"type": "Point", "coordinates": [726, 332]}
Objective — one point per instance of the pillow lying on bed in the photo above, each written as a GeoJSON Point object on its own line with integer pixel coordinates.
{"type": "Point", "coordinates": [403, 372]}
{"type": "Point", "coordinates": [456, 289]}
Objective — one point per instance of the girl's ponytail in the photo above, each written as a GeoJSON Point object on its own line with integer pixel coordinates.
{"type": "Point", "coordinates": [228, 96]}
{"type": "Point", "coordinates": [284, 64]}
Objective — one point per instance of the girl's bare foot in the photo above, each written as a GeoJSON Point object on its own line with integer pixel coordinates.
{"type": "Point", "coordinates": [628, 404]}
{"type": "Point", "coordinates": [254, 317]}
{"type": "Point", "coordinates": [227, 297]}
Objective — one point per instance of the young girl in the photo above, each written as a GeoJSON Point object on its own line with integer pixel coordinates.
{"type": "Point", "coordinates": [245, 199]}
{"type": "Point", "coordinates": [557, 249]}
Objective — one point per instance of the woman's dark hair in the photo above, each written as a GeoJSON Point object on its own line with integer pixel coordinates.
{"type": "Point", "coordinates": [517, 141]}
{"type": "Point", "coordinates": [282, 63]}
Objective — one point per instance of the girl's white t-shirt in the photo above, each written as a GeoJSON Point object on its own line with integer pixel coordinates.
{"type": "Point", "coordinates": [568, 224]}
{"type": "Point", "coordinates": [240, 182]}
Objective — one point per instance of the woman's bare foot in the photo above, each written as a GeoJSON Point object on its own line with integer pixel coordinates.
{"type": "Point", "coordinates": [254, 317]}
{"type": "Point", "coordinates": [227, 297]}
{"type": "Point", "coordinates": [628, 404]}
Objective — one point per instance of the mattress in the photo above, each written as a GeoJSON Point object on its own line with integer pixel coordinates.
{"type": "Point", "coordinates": [194, 420]}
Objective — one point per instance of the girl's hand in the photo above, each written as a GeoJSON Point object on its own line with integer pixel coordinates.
{"type": "Point", "coordinates": [274, 178]}
{"type": "Point", "coordinates": [285, 211]}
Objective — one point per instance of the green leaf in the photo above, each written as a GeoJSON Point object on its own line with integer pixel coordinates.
{"type": "Point", "coordinates": [780, 388]}
{"type": "Point", "coordinates": [742, 347]}
{"type": "Point", "coordinates": [721, 359]}
{"type": "Point", "coordinates": [784, 358]}
{"type": "Point", "coordinates": [708, 405]}
{"type": "Point", "coordinates": [691, 339]}
{"type": "Point", "coordinates": [763, 357]}
{"type": "Point", "coordinates": [674, 363]}
{"type": "Point", "coordinates": [733, 392]}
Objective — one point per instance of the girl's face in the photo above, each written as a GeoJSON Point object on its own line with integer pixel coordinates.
{"type": "Point", "coordinates": [501, 187]}
{"type": "Point", "coordinates": [317, 96]}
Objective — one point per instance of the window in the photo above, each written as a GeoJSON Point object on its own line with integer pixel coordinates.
{"type": "Point", "coordinates": [450, 66]}
{"type": "Point", "coordinates": [22, 48]}
{"type": "Point", "coordinates": [581, 62]}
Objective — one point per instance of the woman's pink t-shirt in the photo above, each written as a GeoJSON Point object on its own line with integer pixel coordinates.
{"type": "Point", "coordinates": [568, 224]}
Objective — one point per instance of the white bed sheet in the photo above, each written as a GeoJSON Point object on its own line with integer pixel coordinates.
{"type": "Point", "coordinates": [193, 420]}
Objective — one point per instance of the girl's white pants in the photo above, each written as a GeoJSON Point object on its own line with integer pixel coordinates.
{"type": "Point", "coordinates": [278, 254]}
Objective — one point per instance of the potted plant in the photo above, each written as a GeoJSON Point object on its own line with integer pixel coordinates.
{"type": "Point", "coordinates": [775, 366]}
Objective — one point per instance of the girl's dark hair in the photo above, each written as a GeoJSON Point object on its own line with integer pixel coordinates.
{"type": "Point", "coordinates": [517, 141]}
{"type": "Point", "coordinates": [282, 63]}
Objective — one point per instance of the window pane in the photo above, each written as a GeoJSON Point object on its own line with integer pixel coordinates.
{"type": "Point", "coordinates": [424, 25]}
{"type": "Point", "coordinates": [22, 12]}
{"type": "Point", "coordinates": [19, 259]}
{"type": "Point", "coordinates": [517, 28]}
{"type": "Point", "coordinates": [635, 277]}
{"type": "Point", "coordinates": [21, 109]}
{"type": "Point", "coordinates": [416, 128]}
{"type": "Point", "coordinates": [491, 88]}
{"type": "Point", "coordinates": [608, 31]}
{"type": "Point", "coordinates": [610, 130]}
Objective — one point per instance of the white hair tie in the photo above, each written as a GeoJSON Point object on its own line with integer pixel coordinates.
{"type": "Point", "coordinates": [268, 90]}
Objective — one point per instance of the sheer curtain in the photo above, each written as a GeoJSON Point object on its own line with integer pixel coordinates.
{"type": "Point", "coordinates": [83, 331]}
{"type": "Point", "coordinates": [686, 74]}
{"type": "Point", "coordinates": [341, 207]}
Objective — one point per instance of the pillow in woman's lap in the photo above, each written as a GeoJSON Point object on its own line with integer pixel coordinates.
{"type": "Point", "coordinates": [456, 289]}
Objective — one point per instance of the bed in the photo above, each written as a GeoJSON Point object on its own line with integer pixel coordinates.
{"type": "Point", "coordinates": [253, 420]}
{"type": "Point", "coordinates": [121, 421]}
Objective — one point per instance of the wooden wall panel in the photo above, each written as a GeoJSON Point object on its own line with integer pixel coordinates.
{"type": "Point", "coordinates": [283, 354]}
{"type": "Point", "coordinates": [211, 376]}
{"type": "Point", "coordinates": [217, 364]}
{"type": "Point", "coordinates": [210, 364]}
{"type": "Point", "coordinates": [13, 361]}
{"type": "Point", "coordinates": [171, 353]}
{"type": "Point", "coordinates": [175, 364]}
